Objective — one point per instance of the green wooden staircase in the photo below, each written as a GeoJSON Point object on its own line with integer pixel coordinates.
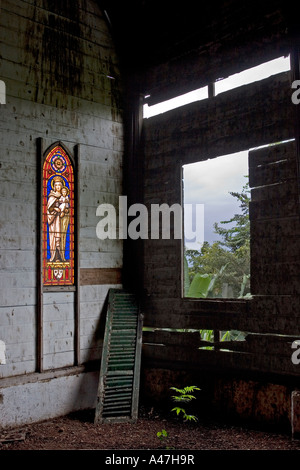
{"type": "Point", "coordinates": [118, 389]}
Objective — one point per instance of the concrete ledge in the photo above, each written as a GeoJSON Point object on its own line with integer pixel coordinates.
{"type": "Point", "coordinates": [37, 400]}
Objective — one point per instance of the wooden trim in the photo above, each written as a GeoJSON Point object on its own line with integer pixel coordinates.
{"type": "Point", "coordinates": [100, 276]}
{"type": "Point", "coordinates": [41, 152]}
{"type": "Point", "coordinates": [59, 289]}
{"type": "Point", "coordinates": [295, 66]}
{"type": "Point", "coordinates": [39, 336]}
{"type": "Point", "coordinates": [48, 375]}
{"type": "Point", "coordinates": [77, 258]}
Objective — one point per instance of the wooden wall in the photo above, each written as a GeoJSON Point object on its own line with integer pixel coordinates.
{"type": "Point", "coordinates": [254, 115]}
{"type": "Point", "coordinates": [63, 84]}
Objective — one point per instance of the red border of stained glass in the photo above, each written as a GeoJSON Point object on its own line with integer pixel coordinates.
{"type": "Point", "coordinates": [58, 272]}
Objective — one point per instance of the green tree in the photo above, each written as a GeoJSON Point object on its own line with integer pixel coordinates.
{"type": "Point", "coordinates": [238, 236]}
{"type": "Point", "coordinates": [226, 262]}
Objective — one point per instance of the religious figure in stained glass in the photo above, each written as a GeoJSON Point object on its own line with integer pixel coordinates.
{"type": "Point", "coordinates": [58, 218]}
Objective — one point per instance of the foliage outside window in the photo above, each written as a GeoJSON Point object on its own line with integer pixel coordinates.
{"type": "Point", "coordinates": [222, 269]}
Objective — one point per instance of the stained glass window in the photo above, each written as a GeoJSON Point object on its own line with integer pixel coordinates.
{"type": "Point", "coordinates": [58, 218]}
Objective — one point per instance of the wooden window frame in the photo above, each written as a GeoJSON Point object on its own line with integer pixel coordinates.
{"type": "Point", "coordinates": [41, 288]}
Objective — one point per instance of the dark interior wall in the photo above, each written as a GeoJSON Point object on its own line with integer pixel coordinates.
{"type": "Point", "coordinates": [228, 37]}
{"type": "Point", "coordinates": [261, 113]}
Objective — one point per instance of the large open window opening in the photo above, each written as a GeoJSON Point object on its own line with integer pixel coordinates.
{"type": "Point", "coordinates": [253, 74]}
{"type": "Point", "coordinates": [217, 262]}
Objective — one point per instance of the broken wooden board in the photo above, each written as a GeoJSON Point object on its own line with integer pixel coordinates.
{"type": "Point", "coordinates": [12, 436]}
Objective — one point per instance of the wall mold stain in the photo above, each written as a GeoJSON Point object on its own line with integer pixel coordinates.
{"type": "Point", "coordinates": [55, 48]}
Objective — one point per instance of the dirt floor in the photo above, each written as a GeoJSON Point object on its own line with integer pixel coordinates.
{"type": "Point", "coordinates": [78, 432]}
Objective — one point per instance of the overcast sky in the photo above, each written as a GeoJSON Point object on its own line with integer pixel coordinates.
{"type": "Point", "coordinates": [209, 183]}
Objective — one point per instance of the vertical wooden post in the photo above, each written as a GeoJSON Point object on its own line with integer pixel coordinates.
{"type": "Point", "coordinates": [39, 345]}
{"type": "Point", "coordinates": [295, 66]}
{"type": "Point", "coordinates": [211, 90]}
{"type": "Point", "coordinates": [133, 187]}
{"type": "Point", "coordinates": [77, 267]}
{"type": "Point", "coordinates": [216, 340]}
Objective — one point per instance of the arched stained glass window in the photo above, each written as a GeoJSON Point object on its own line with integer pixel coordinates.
{"type": "Point", "coordinates": [58, 216]}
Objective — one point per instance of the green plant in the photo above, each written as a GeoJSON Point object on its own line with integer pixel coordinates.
{"type": "Point", "coordinates": [162, 435]}
{"type": "Point", "coordinates": [202, 285]}
{"type": "Point", "coordinates": [184, 395]}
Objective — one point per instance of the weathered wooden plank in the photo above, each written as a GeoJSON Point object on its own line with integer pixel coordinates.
{"type": "Point", "coordinates": [91, 354]}
{"type": "Point", "coordinates": [17, 316]}
{"type": "Point", "coordinates": [211, 360]}
{"type": "Point", "coordinates": [253, 343]}
{"type": "Point", "coordinates": [68, 121]}
{"type": "Point", "coordinates": [272, 153]}
{"type": "Point", "coordinates": [87, 105]}
{"type": "Point", "coordinates": [94, 293]}
{"type": "Point", "coordinates": [275, 251]}
{"type": "Point", "coordinates": [271, 344]}
{"type": "Point", "coordinates": [266, 245]}
{"type": "Point", "coordinates": [57, 360]}
{"type": "Point", "coordinates": [73, 23]}
{"type": "Point", "coordinates": [58, 312]}
{"type": "Point", "coordinates": [275, 229]}
{"type": "Point", "coordinates": [91, 324]}
{"type": "Point", "coordinates": [17, 296]}
{"type": "Point", "coordinates": [92, 276]}
{"type": "Point", "coordinates": [236, 126]}
{"type": "Point", "coordinates": [103, 168]}
{"type": "Point", "coordinates": [172, 338]}
{"type": "Point", "coordinates": [59, 329]}
{"type": "Point", "coordinates": [161, 318]}
{"type": "Point", "coordinates": [21, 334]}
{"type": "Point", "coordinates": [65, 19]}
{"type": "Point", "coordinates": [10, 172]}
{"type": "Point", "coordinates": [20, 348]}
{"type": "Point", "coordinates": [90, 243]}
{"type": "Point", "coordinates": [55, 298]}
{"type": "Point", "coordinates": [284, 206]}
{"type": "Point", "coordinates": [102, 135]}
{"type": "Point", "coordinates": [284, 170]}
{"type": "Point", "coordinates": [107, 259]}
{"type": "Point", "coordinates": [275, 191]}
{"type": "Point", "coordinates": [12, 278]}
{"type": "Point", "coordinates": [265, 314]}
{"type": "Point", "coordinates": [277, 313]}
{"type": "Point", "coordinates": [12, 55]}
{"type": "Point", "coordinates": [275, 278]}
{"type": "Point", "coordinates": [17, 369]}
{"type": "Point", "coordinates": [58, 345]}
{"type": "Point", "coordinates": [190, 307]}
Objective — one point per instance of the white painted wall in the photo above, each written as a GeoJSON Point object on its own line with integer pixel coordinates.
{"type": "Point", "coordinates": [32, 402]}
{"type": "Point", "coordinates": [57, 68]}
